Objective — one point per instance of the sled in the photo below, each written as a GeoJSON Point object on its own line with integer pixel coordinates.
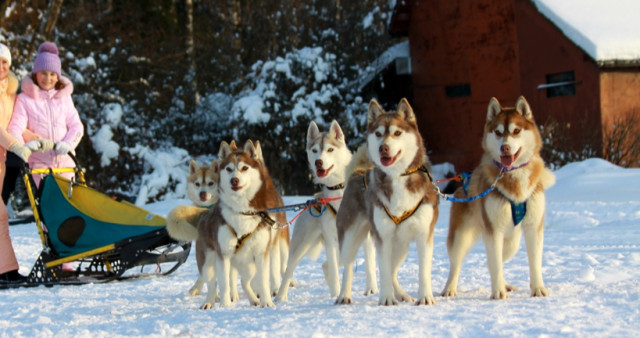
{"type": "Point", "coordinates": [104, 238]}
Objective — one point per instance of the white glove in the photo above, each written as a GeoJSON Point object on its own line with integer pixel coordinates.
{"type": "Point", "coordinates": [22, 151]}
{"type": "Point", "coordinates": [63, 148]}
{"type": "Point", "coordinates": [40, 145]}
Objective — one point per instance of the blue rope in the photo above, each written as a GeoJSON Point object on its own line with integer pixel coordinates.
{"type": "Point", "coordinates": [324, 208]}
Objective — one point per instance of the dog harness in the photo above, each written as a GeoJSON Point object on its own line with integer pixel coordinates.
{"type": "Point", "coordinates": [518, 210]}
{"type": "Point", "coordinates": [240, 240]}
{"type": "Point", "coordinates": [407, 213]}
{"type": "Point", "coordinates": [321, 210]}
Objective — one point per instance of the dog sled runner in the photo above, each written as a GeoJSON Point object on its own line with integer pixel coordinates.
{"type": "Point", "coordinates": [105, 239]}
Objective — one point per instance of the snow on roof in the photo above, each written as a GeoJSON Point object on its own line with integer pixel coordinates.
{"type": "Point", "coordinates": [606, 30]}
{"type": "Point", "coordinates": [396, 51]}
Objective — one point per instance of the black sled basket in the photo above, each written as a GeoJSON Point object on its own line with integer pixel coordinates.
{"type": "Point", "coordinates": [102, 238]}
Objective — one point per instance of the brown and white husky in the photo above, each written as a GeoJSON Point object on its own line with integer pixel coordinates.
{"type": "Point", "coordinates": [395, 201]}
{"type": "Point", "coordinates": [237, 234]}
{"type": "Point", "coordinates": [202, 190]}
{"type": "Point", "coordinates": [511, 145]}
{"type": "Point", "coordinates": [327, 156]}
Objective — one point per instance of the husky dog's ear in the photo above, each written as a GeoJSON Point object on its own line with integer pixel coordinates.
{"type": "Point", "coordinates": [405, 111]}
{"type": "Point", "coordinates": [312, 132]}
{"type": "Point", "coordinates": [254, 150]}
{"type": "Point", "coordinates": [493, 109]}
{"type": "Point", "coordinates": [258, 150]}
{"type": "Point", "coordinates": [225, 149]}
{"type": "Point", "coordinates": [522, 107]}
{"type": "Point", "coordinates": [374, 111]}
{"type": "Point", "coordinates": [215, 165]}
{"type": "Point", "coordinates": [233, 145]}
{"type": "Point", "coordinates": [336, 131]}
{"type": "Point", "coordinates": [193, 166]}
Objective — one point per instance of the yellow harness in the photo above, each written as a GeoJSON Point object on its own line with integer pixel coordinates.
{"type": "Point", "coordinates": [240, 240]}
{"type": "Point", "coordinates": [408, 213]}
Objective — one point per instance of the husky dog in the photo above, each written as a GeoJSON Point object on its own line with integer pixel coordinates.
{"type": "Point", "coordinates": [202, 184]}
{"type": "Point", "coordinates": [328, 157]}
{"type": "Point", "coordinates": [395, 201]}
{"type": "Point", "coordinates": [237, 232]}
{"type": "Point", "coordinates": [511, 159]}
{"type": "Point", "coordinates": [202, 190]}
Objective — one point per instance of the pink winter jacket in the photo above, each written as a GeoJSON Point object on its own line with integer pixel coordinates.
{"type": "Point", "coordinates": [49, 114]}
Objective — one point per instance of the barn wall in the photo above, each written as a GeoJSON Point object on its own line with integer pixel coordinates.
{"type": "Point", "coordinates": [454, 43]}
{"type": "Point", "coordinates": [544, 49]}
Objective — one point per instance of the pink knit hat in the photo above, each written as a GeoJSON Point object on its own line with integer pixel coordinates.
{"type": "Point", "coordinates": [47, 59]}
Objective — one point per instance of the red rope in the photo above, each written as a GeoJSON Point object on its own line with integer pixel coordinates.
{"type": "Point", "coordinates": [454, 178]}
{"type": "Point", "coordinates": [321, 201]}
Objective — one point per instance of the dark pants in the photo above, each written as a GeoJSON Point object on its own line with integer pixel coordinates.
{"type": "Point", "coordinates": [14, 165]}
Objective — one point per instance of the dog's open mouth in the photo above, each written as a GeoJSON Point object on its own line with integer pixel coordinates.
{"type": "Point", "coordinates": [236, 187]}
{"type": "Point", "coordinates": [387, 161]}
{"type": "Point", "coordinates": [507, 160]}
{"type": "Point", "coordinates": [323, 172]}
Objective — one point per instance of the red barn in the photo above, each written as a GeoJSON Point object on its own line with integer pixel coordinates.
{"type": "Point", "coordinates": [463, 52]}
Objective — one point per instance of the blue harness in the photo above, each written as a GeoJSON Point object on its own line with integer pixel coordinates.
{"type": "Point", "coordinates": [518, 210]}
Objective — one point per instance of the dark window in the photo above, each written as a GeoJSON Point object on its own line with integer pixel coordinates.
{"type": "Point", "coordinates": [561, 84]}
{"type": "Point", "coordinates": [458, 90]}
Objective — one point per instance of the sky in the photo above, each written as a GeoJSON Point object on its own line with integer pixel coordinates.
{"type": "Point", "coordinates": [591, 265]}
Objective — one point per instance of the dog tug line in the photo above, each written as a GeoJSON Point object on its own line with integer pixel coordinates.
{"type": "Point", "coordinates": [321, 204]}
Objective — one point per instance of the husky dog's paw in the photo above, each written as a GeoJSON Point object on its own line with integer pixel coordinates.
{"type": "Point", "coordinates": [343, 301]}
{"type": "Point", "coordinates": [427, 300]}
{"type": "Point", "coordinates": [449, 293]}
{"type": "Point", "coordinates": [370, 291]}
{"type": "Point", "coordinates": [267, 304]}
{"type": "Point", "coordinates": [206, 306]}
{"type": "Point", "coordinates": [500, 294]}
{"type": "Point", "coordinates": [194, 291]}
{"type": "Point", "coordinates": [235, 297]}
{"type": "Point", "coordinates": [403, 297]}
{"type": "Point", "coordinates": [539, 292]}
{"type": "Point", "coordinates": [293, 283]}
{"type": "Point", "coordinates": [389, 300]}
{"type": "Point", "coordinates": [281, 298]}
{"type": "Point", "coordinates": [510, 288]}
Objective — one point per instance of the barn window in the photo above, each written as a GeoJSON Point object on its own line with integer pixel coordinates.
{"type": "Point", "coordinates": [458, 90]}
{"type": "Point", "coordinates": [560, 84]}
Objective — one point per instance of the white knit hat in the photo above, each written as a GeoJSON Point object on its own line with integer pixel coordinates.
{"type": "Point", "coordinates": [5, 53]}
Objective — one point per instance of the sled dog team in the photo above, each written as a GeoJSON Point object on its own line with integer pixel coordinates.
{"type": "Point", "coordinates": [381, 198]}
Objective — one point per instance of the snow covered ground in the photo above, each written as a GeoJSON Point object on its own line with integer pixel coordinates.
{"type": "Point", "coordinates": [591, 266]}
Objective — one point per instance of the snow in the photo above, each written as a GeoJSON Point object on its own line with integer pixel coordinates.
{"type": "Point", "coordinates": [591, 265]}
{"type": "Point", "coordinates": [606, 30]}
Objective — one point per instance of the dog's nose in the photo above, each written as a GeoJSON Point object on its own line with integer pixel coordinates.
{"type": "Point", "coordinates": [383, 149]}
{"type": "Point", "coordinates": [234, 181]}
{"type": "Point", "coordinates": [505, 149]}
{"type": "Point", "coordinates": [319, 163]}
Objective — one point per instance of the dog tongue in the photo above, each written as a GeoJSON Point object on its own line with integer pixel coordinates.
{"type": "Point", "coordinates": [507, 160]}
{"type": "Point", "coordinates": [386, 160]}
{"type": "Point", "coordinates": [321, 172]}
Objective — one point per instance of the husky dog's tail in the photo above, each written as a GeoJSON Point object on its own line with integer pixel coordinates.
{"type": "Point", "coordinates": [359, 163]}
{"type": "Point", "coordinates": [182, 222]}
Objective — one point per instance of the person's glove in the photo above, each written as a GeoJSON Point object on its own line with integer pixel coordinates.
{"type": "Point", "coordinates": [22, 151]}
{"type": "Point", "coordinates": [40, 145]}
{"type": "Point", "coordinates": [63, 148]}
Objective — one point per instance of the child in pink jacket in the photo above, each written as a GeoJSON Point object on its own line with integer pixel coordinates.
{"type": "Point", "coordinates": [45, 107]}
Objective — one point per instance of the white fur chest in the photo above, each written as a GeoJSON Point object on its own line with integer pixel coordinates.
{"type": "Point", "coordinates": [242, 225]}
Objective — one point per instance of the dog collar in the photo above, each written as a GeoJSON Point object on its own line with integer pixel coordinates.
{"type": "Point", "coordinates": [507, 169]}
{"type": "Point", "coordinates": [336, 187]}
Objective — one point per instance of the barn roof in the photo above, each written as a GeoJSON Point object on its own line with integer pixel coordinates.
{"type": "Point", "coordinates": [609, 31]}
